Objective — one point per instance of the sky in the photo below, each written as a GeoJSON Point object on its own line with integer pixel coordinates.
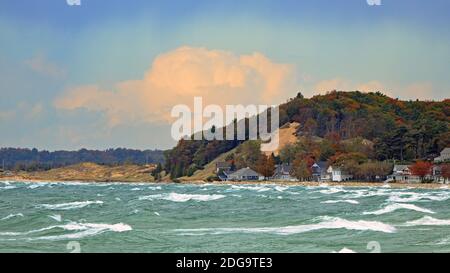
{"type": "Point", "coordinates": [106, 73]}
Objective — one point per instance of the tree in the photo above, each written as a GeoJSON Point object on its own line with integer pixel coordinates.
{"type": "Point", "coordinates": [445, 171]}
{"type": "Point", "coordinates": [373, 171]}
{"type": "Point", "coordinates": [265, 165]}
{"type": "Point", "coordinates": [421, 169]}
{"type": "Point", "coordinates": [301, 167]}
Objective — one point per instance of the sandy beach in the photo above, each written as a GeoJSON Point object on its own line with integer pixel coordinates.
{"type": "Point", "coordinates": [282, 183]}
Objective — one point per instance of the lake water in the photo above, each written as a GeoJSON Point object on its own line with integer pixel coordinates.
{"type": "Point", "coordinates": [120, 217]}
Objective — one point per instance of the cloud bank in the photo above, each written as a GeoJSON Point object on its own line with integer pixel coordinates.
{"type": "Point", "coordinates": [176, 77]}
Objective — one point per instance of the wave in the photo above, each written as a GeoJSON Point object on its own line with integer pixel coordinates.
{"type": "Point", "coordinates": [397, 206]}
{"type": "Point", "coordinates": [181, 197]}
{"type": "Point", "coordinates": [8, 187]}
{"type": "Point", "coordinates": [83, 230]}
{"type": "Point", "coordinates": [344, 250]}
{"type": "Point", "coordinates": [328, 223]}
{"type": "Point", "coordinates": [71, 205]}
{"type": "Point", "coordinates": [56, 217]}
{"type": "Point", "coordinates": [11, 216]}
{"type": "Point", "coordinates": [340, 201]}
{"type": "Point", "coordinates": [428, 221]}
{"type": "Point", "coordinates": [332, 190]}
{"type": "Point", "coordinates": [37, 185]}
{"type": "Point", "coordinates": [407, 197]}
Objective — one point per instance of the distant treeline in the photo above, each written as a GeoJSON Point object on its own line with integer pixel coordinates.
{"type": "Point", "coordinates": [33, 160]}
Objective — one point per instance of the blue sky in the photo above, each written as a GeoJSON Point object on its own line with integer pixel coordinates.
{"type": "Point", "coordinates": [48, 49]}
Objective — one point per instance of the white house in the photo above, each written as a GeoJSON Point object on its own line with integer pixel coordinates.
{"type": "Point", "coordinates": [445, 156]}
{"type": "Point", "coordinates": [338, 175]}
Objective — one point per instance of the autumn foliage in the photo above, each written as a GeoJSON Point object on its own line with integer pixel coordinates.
{"type": "Point", "coordinates": [421, 169]}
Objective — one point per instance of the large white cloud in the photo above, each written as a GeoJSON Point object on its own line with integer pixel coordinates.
{"type": "Point", "coordinates": [176, 77]}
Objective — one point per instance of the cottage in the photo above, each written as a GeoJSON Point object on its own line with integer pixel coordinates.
{"type": "Point", "coordinates": [245, 174]}
{"type": "Point", "coordinates": [283, 173]}
{"type": "Point", "coordinates": [338, 174]}
{"type": "Point", "coordinates": [319, 171]}
{"type": "Point", "coordinates": [223, 167]}
{"type": "Point", "coordinates": [445, 156]}
{"type": "Point", "coordinates": [402, 173]}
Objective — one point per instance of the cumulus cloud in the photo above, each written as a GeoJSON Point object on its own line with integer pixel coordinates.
{"type": "Point", "coordinates": [41, 65]}
{"type": "Point", "coordinates": [176, 77]}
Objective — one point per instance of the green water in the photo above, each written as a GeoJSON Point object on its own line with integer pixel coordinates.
{"type": "Point", "coordinates": [99, 217]}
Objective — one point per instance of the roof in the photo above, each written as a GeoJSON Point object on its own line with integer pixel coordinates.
{"type": "Point", "coordinates": [283, 169]}
{"type": "Point", "coordinates": [446, 151]}
{"type": "Point", "coordinates": [245, 172]}
{"type": "Point", "coordinates": [400, 167]}
{"type": "Point", "coordinates": [322, 164]}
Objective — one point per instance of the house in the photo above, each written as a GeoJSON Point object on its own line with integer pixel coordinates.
{"type": "Point", "coordinates": [402, 173]}
{"type": "Point", "coordinates": [319, 171]}
{"type": "Point", "coordinates": [245, 174]}
{"type": "Point", "coordinates": [283, 173]}
{"type": "Point", "coordinates": [338, 174]}
{"type": "Point", "coordinates": [445, 156]}
{"type": "Point", "coordinates": [223, 167]}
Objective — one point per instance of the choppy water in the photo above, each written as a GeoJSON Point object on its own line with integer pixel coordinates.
{"type": "Point", "coordinates": [106, 217]}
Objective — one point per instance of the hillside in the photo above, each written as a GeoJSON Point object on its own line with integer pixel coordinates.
{"type": "Point", "coordinates": [380, 127]}
{"type": "Point", "coordinates": [88, 172]}
{"type": "Point", "coordinates": [34, 160]}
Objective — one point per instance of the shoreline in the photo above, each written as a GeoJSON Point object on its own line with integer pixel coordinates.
{"type": "Point", "coordinates": [280, 183]}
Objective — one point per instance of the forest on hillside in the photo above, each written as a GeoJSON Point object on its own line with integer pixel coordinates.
{"type": "Point", "coordinates": [349, 128]}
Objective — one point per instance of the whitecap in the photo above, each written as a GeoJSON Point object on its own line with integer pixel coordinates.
{"type": "Point", "coordinates": [12, 216]}
{"type": "Point", "coordinates": [428, 221]}
{"type": "Point", "coordinates": [136, 189]}
{"type": "Point", "coordinates": [397, 206]}
{"type": "Point", "coordinates": [8, 187]}
{"type": "Point", "coordinates": [84, 230]}
{"type": "Point", "coordinates": [340, 201]}
{"type": "Point", "coordinates": [407, 197]}
{"type": "Point", "coordinates": [156, 213]}
{"type": "Point", "coordinates": [344, 250]}
{"type": "Point", "coordinates": [71, 205]}
{"type": "Point", "coordinates": [56, 217]}
{"type": "Point", "coordinates": [332, 190]}
{"type": "Point", "coordinates": [180, 197]}
{"type": "Point", "coordinates": [37, 185]}
{"type": "Point", "coordinates": [327, 223]}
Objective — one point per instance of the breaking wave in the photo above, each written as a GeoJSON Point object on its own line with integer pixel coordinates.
{"type": "Point", "coordinates": [340, 201]}
{"type": "Point", "coordinates": [397, 206]}
{"type": "Point", "coordinates": [11, 216]}
{"type": "Point", "coordinates": [428, 221]}
{"type": "Point", "coordinates": [71, 205]}
{"type": "Point", "coordinates": [328, 223]}
{"type": "Point", "coordinates": [181, 197]}
{"type": "Point", "coordinates": [83, 230]}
